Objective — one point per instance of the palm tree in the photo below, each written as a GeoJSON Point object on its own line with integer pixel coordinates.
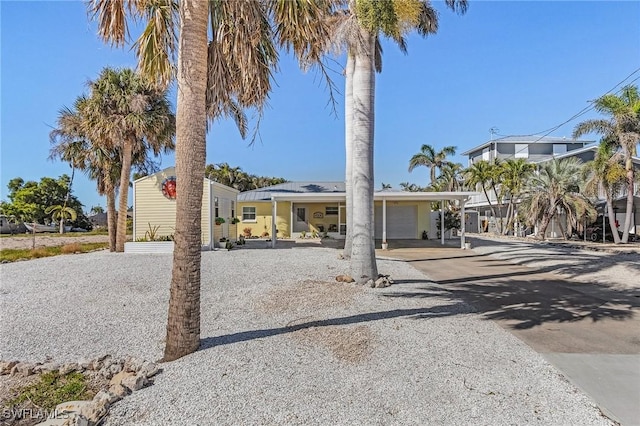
{"type": "Point", "coordinates": [129, 112]}
{"type": "Point", "coordinates": [555, 186]}
{"type": "Point", "coordinates": [71, 144]}
{"type": "Point", "coordinates": [623, 126]}
{"type": "Point", "coordinates": [428, 157]}
{"type": "Point", "coordinates": [363, 23]}
{"type": "Point", "coordinates": [513, 175]}
{"type": "Point", "coordinates": [605, 174]}
{"type": "Point", "coordinates": [217, 77]}
{"type": "Point", "coordinates": [450, 178]}
{"type": "Point", "coordinates": [61, 212]}
{"type": "Point", "coordinates": [481, 173]}
{"type": "Point", "coordinates": [76, 141]}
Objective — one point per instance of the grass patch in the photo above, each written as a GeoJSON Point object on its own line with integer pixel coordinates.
{"type": "Point", "coordinates": [70, 248]}
{"type": "Point", "coordinates": [52, 389]}
{"type": "Point", "coordinates": [11, 255]}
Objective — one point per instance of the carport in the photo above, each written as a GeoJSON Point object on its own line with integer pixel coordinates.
{"type": "Point", "coordinates": [384, 196]}
{"type": "Point", "coordinates": [620, 211]}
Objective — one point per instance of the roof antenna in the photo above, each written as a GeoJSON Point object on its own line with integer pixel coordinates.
{"type": "Point", "coordinates": [493, 131]}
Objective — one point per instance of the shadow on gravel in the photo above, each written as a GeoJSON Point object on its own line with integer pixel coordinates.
{"type": "Point", "coordinates": [418, 313]}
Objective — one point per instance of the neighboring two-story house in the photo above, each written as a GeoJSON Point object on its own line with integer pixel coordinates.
{"type": "Point", "coordinates": [536, 149]}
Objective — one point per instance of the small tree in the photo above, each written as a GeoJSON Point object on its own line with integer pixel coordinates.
{"type": "Point", "coordinates": [61, 212]}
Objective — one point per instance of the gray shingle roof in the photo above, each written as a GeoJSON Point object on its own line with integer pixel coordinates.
{"type": "Point", "coordinates": [264, 194]}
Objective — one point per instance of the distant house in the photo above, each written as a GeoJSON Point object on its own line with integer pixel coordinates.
{"type": "Point", "coordinates": [531, 148]}
{"type": "Point", "coordinates": [154, 208]}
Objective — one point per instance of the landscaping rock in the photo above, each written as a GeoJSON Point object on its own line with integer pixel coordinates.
{"type": "Point", "coordinates": [46, 367]}
{"type": "Point", "coordinates": [23, 369]}
{"type": "Point", "coordinates": [150, 369]}
{"type": "Point", "coordinates": [107, 396]}
{"type": "Point", "coordinates": [134, 383]}
{"type": "Point", "coordinates": [119, 377]}
{"type": "Point", "coordinates": [382, 281]}
{"type": "Point", "coordinates": [6, 366]}
{"type": "Point", "coordinates": [119, 390]}
{"type": "Point", "coordinates": [345, 278]}
{"type": "Point", "coordinates": [68, 368]}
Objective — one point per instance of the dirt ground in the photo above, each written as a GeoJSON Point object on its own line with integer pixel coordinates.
{"type": "Point", "coordinates": [49, 240]}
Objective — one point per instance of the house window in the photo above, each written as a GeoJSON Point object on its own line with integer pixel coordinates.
{"type": "Point", "coordinates": [559, 148]}
{"type": "Point", "coordinates": [331, 211]}
{"type": "Point", "coordinates": [233, 209]}
{"type": "Point", "coordinates": [216, 204]}
{"type": "Point", "coordinates": [248, 214]}
{"type": "Point", "coordinates": [521, 150]}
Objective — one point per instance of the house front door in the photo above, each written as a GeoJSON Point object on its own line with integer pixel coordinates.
{"type": "Point", "coordinates": [301, 219]}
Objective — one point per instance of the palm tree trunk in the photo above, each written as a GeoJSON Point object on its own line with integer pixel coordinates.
{"type": "Point", "coordinates": [612, 220]}
{"type": "Point", "coordinates": [546, 219]}
{"type": "Point", "coordinates": [499, 204]}
{"type": "Point", "coordinates": [112, 225]}
{"type": "Point", "coordinates": [363, 259]}
{"type": "Point", "coordinates": [493, 210]}
{"type": "Point", "coordinates": [629, 213]}
{"type": "Point", "coordinates": [125, 175]}
{"type": "Point", "coordinates": [348, 143]}
{"type": "Point", "coordinates": [183, 322]}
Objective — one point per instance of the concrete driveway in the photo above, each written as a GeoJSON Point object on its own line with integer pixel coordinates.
{"type": "Point", "coordinates": [590, 332]}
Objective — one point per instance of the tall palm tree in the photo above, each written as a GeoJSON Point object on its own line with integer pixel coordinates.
{"type": "Point", "coordinates": [216, 77]}
{"type": "Point", "coordinates": [130, 112]}
{"type": "Point", "coordinates": [428, 157]}
{"type": "Point", "coordinates": [363, 23]}
{"type": "Point", "coordinates": [513, 175]}
{"type": "Point", "coordinates": [70, 143]}
{"type": "Point", "coordinates": [605, 175]}
{"type": "Point", "coordinates": [555, 186]}
{"type": "Point", "coordinates": [623, 125]}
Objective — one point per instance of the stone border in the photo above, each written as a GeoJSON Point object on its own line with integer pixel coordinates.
{"type": "Point", "coordinates": [125, 375]}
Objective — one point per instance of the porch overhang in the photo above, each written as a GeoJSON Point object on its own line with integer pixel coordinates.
{"type": "Point", "coordinates": [384, 196]}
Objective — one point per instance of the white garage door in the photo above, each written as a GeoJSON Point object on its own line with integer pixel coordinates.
{"type": "Point", "coordinates": [402, 222]}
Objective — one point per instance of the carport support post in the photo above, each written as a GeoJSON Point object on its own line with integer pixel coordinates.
{"type": "Point", "coordinates": [442, 222]}
{"type": "Point", "coordinates": [274, 209]}
{"type": "Point", "coordinates": [462, 224]}
{"type": "Point", "coordinates": [384, 220]}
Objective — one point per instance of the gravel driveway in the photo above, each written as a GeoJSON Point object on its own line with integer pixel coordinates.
{"type": "Point", "coordinates": [284, 344]}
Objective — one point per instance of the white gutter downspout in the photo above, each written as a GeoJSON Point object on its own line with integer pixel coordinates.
{"type": "Point", "coordinates": [274, 209]}
{"type": "Point", "coordinates": [211, 220]}
{"type": "Point", "coordinates": [462, 224]}
{"type": "Point", "coordinates": [135, 210]}
{"type": "Point", "coordinates": [384, 220]}
{"type": "Point", "coordinates": [442, 222]}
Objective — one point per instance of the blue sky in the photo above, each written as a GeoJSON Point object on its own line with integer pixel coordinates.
{"type": "Point", "coordinates": [521, 67]}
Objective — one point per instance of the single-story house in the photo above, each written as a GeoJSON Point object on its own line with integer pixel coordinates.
{"type": "Point", "coordinates": [320, 207]}
{"type": "Point", "coordinates": [154, 208]}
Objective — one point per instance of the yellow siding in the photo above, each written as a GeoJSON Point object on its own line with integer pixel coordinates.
{"type": "Point", "coordinates": [151, 208]}
{"type": "Point", "coordinates": [263, 216]}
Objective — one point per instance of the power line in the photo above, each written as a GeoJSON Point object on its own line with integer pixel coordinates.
{"type": "Point", "coordinates": [576, 115]}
